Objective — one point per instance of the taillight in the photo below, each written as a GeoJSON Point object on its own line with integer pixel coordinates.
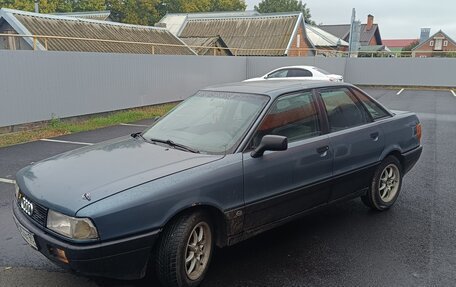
{"type": "Point", "coordinates": [418, 132]}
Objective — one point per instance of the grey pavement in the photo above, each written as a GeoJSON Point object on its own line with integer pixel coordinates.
{"type": "Point", "coordinates": [413, 244]}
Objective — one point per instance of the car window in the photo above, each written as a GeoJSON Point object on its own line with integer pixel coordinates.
{"type": "Point", "coordinates": [294, 116]}
{"type": "Point", "coordinates": [210, 122]}
{"type": "Point", "coordinates": [343, 110]}
{"type": "Point", "coordinates": [375, 110]}
{"type": "Point", "coordinates": [278, 74]}
{"type": "Point", "coordinates": [299, 73]}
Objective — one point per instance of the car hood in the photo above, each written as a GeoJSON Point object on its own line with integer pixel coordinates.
{"type": "Point", "coordinates": [101, 170]}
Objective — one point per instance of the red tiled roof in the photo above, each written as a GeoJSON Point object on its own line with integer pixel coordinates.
{"type": "Point", "coordinates": [398, 43]}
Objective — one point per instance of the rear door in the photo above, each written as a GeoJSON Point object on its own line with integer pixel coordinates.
{"type": "Point", "coordinates": [281, 183]}
{"type": "Point", "coordinates": [355, 140]}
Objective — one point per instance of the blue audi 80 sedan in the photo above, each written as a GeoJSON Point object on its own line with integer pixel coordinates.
{"type": "Point", "coordinates": [228, 163]}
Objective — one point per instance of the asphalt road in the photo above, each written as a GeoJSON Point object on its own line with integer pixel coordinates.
{"type": "Point", "coordinates": [413, 244]}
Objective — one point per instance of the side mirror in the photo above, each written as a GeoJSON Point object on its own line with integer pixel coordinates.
{"type": "Point", "coordinates": [270, 142]}
{"type": "Point", "coordinates": [265, 77]}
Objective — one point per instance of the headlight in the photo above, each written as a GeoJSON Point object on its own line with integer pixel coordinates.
{"type": "Point", "coordinates": [72, 227]}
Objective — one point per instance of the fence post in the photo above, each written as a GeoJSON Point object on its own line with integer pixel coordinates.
{"type": "Point", "coordinates": [153, 50]}
{"type": "Point", "coordinates": [46, 43]}
{"type": "Point", "coordinates": [34, 43]}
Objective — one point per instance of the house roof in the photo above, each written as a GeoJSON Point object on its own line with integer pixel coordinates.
{"type": "Point", "coordinates": [27, 23]}
{"type": "Point", "coordinates": [94, 15]}
{"type": "Point", "coordinates": [340, 31]}
{"type": "Point", "coordinates": [201, 45]}
{"type": "Point", "coordinates": [439, 32]}
{"type": "Point", "coordinates": [270, 34]}
{"type": "Point", "coordinates": [321, 38]}
{"type": "Point", "coordinates": [175, 21]}
{"type": "Point", "coordinates": [343, 31]}
{"type": "Point", "coordinates": [398, 43]}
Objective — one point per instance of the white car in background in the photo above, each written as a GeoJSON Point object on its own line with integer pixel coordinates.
{"type": "Point", "coordinates": [299, 73]}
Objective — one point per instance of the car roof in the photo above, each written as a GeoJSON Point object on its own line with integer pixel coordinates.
{"type": "Point", "coordinates": [273, 88]}
{"type": "Point", "coordinates": [296, 67]}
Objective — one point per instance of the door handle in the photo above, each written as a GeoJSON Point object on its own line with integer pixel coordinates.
{"type": "Point", "coordinates": [374, 136]}
{"type": "Point", "coordinates": [323, 150]}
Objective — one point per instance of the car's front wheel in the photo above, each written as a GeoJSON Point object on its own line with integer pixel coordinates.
{"type": "Point", "coordinates": [385, 186]}
{"type": "Point", "coordinates": [184, 250]}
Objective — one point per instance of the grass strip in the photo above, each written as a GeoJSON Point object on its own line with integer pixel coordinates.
{"type": "Point", "coordinates": [57, 127]}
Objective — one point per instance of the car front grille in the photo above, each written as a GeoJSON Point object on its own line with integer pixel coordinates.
{"type": "Point", "coordinates": [39, 214]}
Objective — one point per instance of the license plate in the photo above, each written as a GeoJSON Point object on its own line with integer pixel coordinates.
{"type": "Point", "coordinates": [27, 235]}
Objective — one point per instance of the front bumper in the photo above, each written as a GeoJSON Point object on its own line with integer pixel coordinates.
{"type": "Point", "coordinates": [411, 158]}
{"type": "Point", "coordinates": [125, 258]}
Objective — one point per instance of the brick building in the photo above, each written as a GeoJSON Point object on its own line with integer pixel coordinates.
{"type": "Point", "coordinates": [438, 45]}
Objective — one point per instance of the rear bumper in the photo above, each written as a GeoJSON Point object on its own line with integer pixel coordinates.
{"type": "Point", "coordinates": [120, 259]}
{"type": "Point", "coordinates": [411, 158]}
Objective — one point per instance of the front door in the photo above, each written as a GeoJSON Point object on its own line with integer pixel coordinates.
{"type": "Point", "coordinates": [282, 183]}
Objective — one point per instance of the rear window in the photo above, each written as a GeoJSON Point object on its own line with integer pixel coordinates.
{"type": "Point", "coordinates": [299, 73]}
{"type": "Point", "coordinates": [374, 109]}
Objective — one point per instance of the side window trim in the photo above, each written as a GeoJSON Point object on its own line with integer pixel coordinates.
{"type": "Point", "coordinates": [322, 114]}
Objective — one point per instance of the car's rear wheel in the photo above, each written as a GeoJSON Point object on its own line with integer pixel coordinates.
{"type": "Point", "coordinates": [385, 186]}
{"type": "Point", "coordinates": [184, 250]}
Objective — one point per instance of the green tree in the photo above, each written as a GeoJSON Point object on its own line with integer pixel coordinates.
{"type": "Point", "coordinates": [88, 5]}
{"type": "Point", "coordinates": [195, 5]}
{"type": "Point", "coordinates": [26, 5]}
{"type": "Point", "coordinates": [140, 12]}
{"type": "Point", "coordinates": [189, 6]}
{"type": "Point", "coordinates": [46, 6]}
{"type": "Point", "coordinates": [228, 5]}
{"type": "Point", "coordinates": [272, 6]}
{"type": "Point", "coordinates": [52, 6]}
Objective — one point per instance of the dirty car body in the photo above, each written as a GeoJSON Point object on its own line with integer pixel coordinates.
{"type": "Point", "coordinates": [129, 189]}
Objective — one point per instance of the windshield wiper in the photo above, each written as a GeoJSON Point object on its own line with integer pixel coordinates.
{"type": "Point", "coordinates": [173, 144]}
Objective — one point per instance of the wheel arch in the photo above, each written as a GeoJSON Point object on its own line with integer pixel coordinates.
{"type": "Point", "coordinates": [218, 219]}
{"type": "Point", "coordinates": [396, 153]}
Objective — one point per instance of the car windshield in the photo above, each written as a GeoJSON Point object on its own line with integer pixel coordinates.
{"type": "Point", "coordinates": [323, 71]}
{"type": "Point", "coordinates": [209, 122]}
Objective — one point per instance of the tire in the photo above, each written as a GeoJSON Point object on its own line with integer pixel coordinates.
{"type": "Point", "coordinates": [189, 237]}
{"type": "Point", "coordinates": [386, 185]}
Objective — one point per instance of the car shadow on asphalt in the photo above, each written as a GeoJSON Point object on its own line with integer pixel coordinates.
{"type": "Point", "coordinates": [301, 245]}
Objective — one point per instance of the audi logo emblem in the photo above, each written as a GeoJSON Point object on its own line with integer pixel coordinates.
{"type": "Point", "coordinates": [27, 206]}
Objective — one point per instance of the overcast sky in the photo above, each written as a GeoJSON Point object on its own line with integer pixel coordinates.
{"type": "Point", "coordinates": [396, 18]}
